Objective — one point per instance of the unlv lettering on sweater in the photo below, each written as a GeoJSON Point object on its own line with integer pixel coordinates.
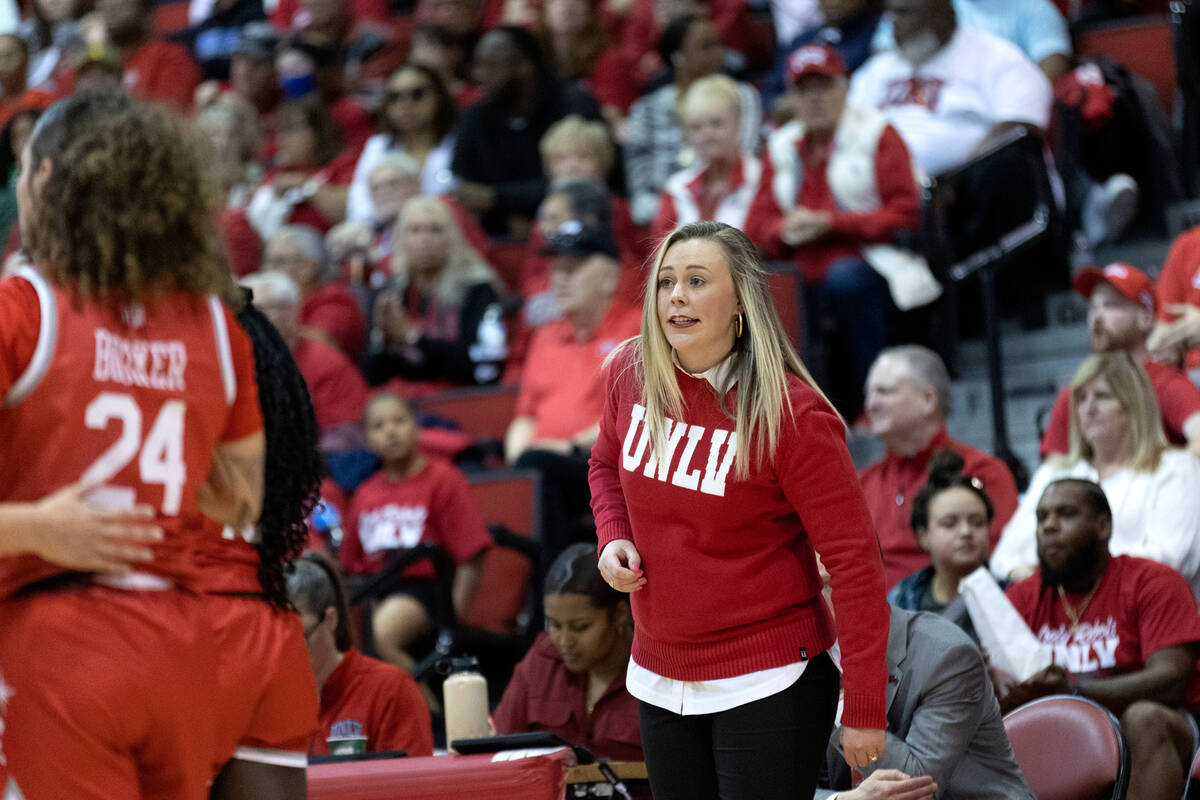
{"type": "Point", "coordinates": [716, 464]}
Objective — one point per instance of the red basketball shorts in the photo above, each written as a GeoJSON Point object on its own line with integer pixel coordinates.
{"type": "Point", "coordinates": [110, 694]}
{"type": "Point", "coordinates": [268, 702]}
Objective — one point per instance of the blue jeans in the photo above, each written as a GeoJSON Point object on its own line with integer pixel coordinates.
{"type": "Point", "coordinates": [857, 298]}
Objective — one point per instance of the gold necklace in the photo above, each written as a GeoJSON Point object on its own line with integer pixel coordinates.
{"type": "Point", "coordinates": [1072, 614]}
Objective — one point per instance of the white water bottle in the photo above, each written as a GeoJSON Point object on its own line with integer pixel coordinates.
{"type": "Point", "coordinates": [465, 701]}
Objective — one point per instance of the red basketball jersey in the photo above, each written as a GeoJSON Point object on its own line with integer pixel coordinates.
{"type": "Point", "coordinates": [228, 559]}
{"type": "Point", "coordinates": [135, 398]}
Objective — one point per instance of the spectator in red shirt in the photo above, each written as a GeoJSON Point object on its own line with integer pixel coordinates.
{"type": "Point", "coordinates": [162, 72]}
{"type": "Point", "coordinates": [338, 390]}
{"type": "Point", "coordinates": [360, 696]}
{"type": "Point", "coordinates": [576, 43]}
{"type": "Point", "coordinates": [1121, 310]}
{"type": "Point", "coordinates": [308, 62]}
{"type": "Point", "coordinates": [908, 400]}
{"type": "Point", "coordinates": [232, 127]}
{"type": "Point", "coordinates": [412, 499]}
{"type": "Point", "coordinates": [308, 184]}
{"type": "Point", "coordinates": [841, 187]}
{"type": "Point", "coordinates": [1122, 631]}
{"type": "Point", "coordinates": [327, 309]}
{"type": "Point", "coordinates": [722, 182]}
{"type": "Point", "coordinates": [562, 393]}
{"type": "Point", "coordinates": [572, 681]}
{"type": "Point", "coordinates": [252, 77]}
{"type": "Point", "coordinates": [1176, 338]}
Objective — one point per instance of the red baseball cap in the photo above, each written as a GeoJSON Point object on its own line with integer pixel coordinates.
{"type": "Point", "coordinates": [815, 59]}
{"type": "Point", "coordinates": [1130, 281]}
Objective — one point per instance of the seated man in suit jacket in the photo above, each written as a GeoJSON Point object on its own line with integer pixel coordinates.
{"type": "Point", "coordinates": [943, 722]}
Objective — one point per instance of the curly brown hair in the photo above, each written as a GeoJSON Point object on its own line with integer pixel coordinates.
{"type": "Point", "coordinates": [126, 211]}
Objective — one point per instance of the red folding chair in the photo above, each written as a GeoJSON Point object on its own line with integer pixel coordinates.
{"type": "Point", "coordinates": [1069, 748]}
{"type": "Point", "coordinates": [1143, 44]}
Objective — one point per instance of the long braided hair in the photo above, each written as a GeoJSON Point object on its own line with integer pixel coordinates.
{"type": "Point", "coordinates": [294, 467]}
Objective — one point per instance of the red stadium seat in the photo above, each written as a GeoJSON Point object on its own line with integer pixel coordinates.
{"type": "Point", "coordinates": [506, 498]}
{"type": "Point", "coordinates": [1143, 44]}
{"type": "Point", "coordinates": [787, 290]}
{"type": "Point", "coordinates": [481, 412]}
{"type": "Point", "coordinates": [1069, 748]}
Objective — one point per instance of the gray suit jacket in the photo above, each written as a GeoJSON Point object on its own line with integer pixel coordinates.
{"type": "Point", "coordinates": [943, 718]}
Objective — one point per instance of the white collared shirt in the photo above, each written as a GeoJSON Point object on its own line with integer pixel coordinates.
{"type": "Point", "coordinates": [709, 697]}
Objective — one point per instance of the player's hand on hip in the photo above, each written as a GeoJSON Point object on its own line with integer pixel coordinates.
{"type": "Point", "coordinates": [621, 566]}
{"type": "Point", "coordinates": [862, 746]}
{"type": "Point", "coordinates": [73, 534]}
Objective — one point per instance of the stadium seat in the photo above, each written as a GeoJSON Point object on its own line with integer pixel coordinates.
{"type": "Point", "coordinates": [787, 290]}
{"type": "Point", "coordinates": [1069, 748]}
{"type": "Point", "coordinates": [1143, 44]}
{"type": "Point", "coordinates": [482, 413]}
{"type": "Point", "coordinates": [508, 501]}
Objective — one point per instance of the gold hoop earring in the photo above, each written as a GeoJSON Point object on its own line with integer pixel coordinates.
{"type": "Point", "coordinates": [737, 327]}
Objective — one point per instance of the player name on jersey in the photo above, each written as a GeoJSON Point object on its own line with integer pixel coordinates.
{"type": "Point", "coordinates": [152, 364]}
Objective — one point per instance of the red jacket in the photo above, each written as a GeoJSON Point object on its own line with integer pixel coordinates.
{"type": "Point", "coordinates": [732, 584]}
{"type": "Point", "coordinates": [544, 695]}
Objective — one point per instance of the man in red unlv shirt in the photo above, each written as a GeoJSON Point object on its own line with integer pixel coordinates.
{"type": "Point", "coordinates": [1121, 307]}
{"type": "Point", "coordinates": [120, 366]}
{"type": "Point", "coordinates": [1122, 631]}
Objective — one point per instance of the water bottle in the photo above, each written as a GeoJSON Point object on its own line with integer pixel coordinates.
{"type": "Point", "coordinates": [465, 701]}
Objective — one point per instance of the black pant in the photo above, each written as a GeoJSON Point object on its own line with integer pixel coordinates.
{"type": "Point", "coordinates": [771, 749]}
{"type": "Point", "coordinates": [564, 498]}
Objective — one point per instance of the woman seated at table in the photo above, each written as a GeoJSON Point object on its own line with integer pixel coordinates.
{"type": "Point", "coordinates": [1116, 438]}
{"type": "Point", "coordinates": [723, 182]}
{"type": "Point", "coordinates": [572, 681]}
{"type": "Point", "coordinates": [951, 517]}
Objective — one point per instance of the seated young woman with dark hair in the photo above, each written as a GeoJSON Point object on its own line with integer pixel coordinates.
{"type": "Point", "coordinates": [951, 516]}
{"type": "Point", "coordinates": [572, 681]}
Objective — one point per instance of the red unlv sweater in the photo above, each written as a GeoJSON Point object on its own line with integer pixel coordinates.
{"type": "Point", "coordinates": [731, 578]}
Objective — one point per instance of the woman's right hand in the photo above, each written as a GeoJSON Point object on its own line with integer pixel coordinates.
{"type": "Point", "coordinates": [621, 566]}
{"type": "Point", "coordinates": [73, 534]}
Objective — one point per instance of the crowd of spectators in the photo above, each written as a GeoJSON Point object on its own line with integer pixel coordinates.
{"type": "Point", "coordinates": [465, 192]}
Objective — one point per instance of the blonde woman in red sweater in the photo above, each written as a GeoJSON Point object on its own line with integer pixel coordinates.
{"type": "Point", "coordinates": [720, 472]}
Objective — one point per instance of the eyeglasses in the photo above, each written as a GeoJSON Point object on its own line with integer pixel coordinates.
{"type": "Point", "coordinates": [413, 95]}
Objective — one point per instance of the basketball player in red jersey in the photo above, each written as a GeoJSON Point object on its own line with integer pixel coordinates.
{"type": "Point", "coordinates": [269, 704]}
{"type": "Point", "coordinates": [119, 366]}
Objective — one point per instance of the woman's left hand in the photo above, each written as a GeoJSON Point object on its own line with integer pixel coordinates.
{"type": "Point", "coordinates": [863, 746]}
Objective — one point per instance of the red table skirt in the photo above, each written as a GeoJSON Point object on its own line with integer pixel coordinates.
{"type": "Point", "coordinates": [541, 777]}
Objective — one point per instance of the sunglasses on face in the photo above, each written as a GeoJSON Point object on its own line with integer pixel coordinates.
{"type": "Point", "coordinates": [414, 95]}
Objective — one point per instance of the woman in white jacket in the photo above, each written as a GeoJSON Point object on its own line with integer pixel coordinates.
{"type": "Point", "coordinates": [1116, 439]}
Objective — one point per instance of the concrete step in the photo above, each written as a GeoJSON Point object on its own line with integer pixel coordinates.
{"type": "Point", "coordinates": [1031, 347]}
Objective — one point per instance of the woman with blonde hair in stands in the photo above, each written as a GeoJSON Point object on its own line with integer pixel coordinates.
{"type": "Point", "coordinates": [441, 319]}
{"type": "Point", "coordinates": [1117, 440]}
{"type": "Point", "coordinates": [723, 182]}
{"type": "Point", "coordinates": [720, 471]}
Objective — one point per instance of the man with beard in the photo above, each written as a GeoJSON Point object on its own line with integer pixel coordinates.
{"type": "Point", "coordinates": [1122, 631]}
{"type": "Point", "coordinates": [1121, 308]}
{"type": "Point", "coordinates": [496, 153]}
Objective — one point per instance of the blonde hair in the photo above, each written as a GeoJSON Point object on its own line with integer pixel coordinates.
{"type": "Point", "coordinates": [710, 91]}
{"type": "Point", "coordinates": [1132, 388]}
{"type": "Point", "coordinates": [464, 266]}
{"type": "Point", "coordinates": [762, 356]}
{"type": "Point", "coordinates": [575, 132]}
